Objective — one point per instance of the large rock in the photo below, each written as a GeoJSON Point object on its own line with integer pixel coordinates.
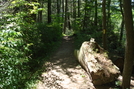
{"type": "Point", "coordinates": [95, 61]}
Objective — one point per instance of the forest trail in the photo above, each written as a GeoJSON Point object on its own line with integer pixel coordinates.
{"type": "Point", "coordinates": [63, 70]}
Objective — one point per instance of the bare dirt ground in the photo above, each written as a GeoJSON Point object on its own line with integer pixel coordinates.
{"type": "Point", "coordinates": [63, 71]}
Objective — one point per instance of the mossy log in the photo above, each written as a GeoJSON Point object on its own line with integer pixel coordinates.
{"type": "Point", "coordinates": [95, 61]}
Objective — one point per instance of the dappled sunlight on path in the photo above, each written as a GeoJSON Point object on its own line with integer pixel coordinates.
{"type": "Point", "coordinates": [63, 70]}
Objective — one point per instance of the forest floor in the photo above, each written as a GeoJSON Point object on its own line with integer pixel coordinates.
{"type": "Point", "coordinates": [63, 71]}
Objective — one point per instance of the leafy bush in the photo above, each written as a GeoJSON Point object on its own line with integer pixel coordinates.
{"type": "Point", "coordinates": [22, 45]}
{"type": "Point", "coordinates": [44, 39]}
{"type": "Point", "coordinates": [12, 57]}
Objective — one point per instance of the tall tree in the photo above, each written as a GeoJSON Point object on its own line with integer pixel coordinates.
{"type": "Point", "coordinates": [66, 15]}
{"type": "Point", "coordinates": [58, 10]}
{"type": "Point", "coordinates": [122, 23]}
{"type": "Point", "coordinates": [95, 18]}
{"type": "Point", "coordinates": [129, 51]}
{"type": "Point", "coordinates": [86, 10]}
{"type": "Point", "coordinates": [49, 11]}
{"type": "Point", "coordinates": [104, 29]}
{"type": "Point", "coordinates": [40, 12]}
{"type": "Point", "coordinates": [79, 2]}
{"type": "Point", "coordinates": [109, 14]}
{"type": "Point", "coordinates": [58, 7]}
{"type": "Point", "coordinates": [63, 9]}
{"type": "Point", "coordinates": [74, 9]}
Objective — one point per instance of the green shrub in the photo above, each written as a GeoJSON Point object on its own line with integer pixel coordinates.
{"type": "Point", "coordinates": [22, 45]}
{"type": "Point", "coordinates": [12, 57]}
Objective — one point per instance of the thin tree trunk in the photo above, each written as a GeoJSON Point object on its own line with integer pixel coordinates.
{"type": "Point", "coordinates": [74, 9]}
{"type": "Point", "coordinates": [121, 31]}
{"type": "Point", "coordinates": [40, 12]}
{"type": "Point", "coordinates": [49, 11]}
{"type": "Point", "coordinates": [109, 14]}
{"type": "Point", "coordinates": [95, 18]}
{"type": "Point", "coordinates": [129, 52]}
{"type": "Point", "coordinates": [68, 20]}
{"type": "Point", "coordinates": [122, 24]}
{"type": "Point", "coordinates": [104, 38]}
{"type": "Point", "coordinates": [85, 16]}
{"type": "Point", "coordinates": [58, 7]}
{"type": "Point", "coordinates": [63, 11]}
{"type": "Point", "coordinates": [58, 10]}
{"type": "Point", "coordinates": [79, 1]}
{"type": "Point", "coordinates": [66, 16]}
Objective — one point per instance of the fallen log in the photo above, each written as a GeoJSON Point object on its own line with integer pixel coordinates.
{"type": "Point", "coordinates": [95, 61]}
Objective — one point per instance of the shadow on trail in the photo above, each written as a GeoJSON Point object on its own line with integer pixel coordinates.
{"type": "Point", "coordinates": [64, 56]}
{"type": "Point", "coordinates": [63, 71]}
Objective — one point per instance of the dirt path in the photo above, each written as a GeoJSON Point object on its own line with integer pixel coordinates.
{"type": "Point", "coordinates": [64, 72]}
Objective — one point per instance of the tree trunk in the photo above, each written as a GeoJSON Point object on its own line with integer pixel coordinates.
{"type": "Point", "coordinates": [122, 23]}
{"type": "Point", "coordinates": [104, 29]}
{"type": "Point", "coordinates": [95, 61]}
{"type": "Point", "coordinates": [74, 9]}
{"type": "Point", "coordinates": [79, 1]}
{"type": "Point", "coordinates": [68, 21]}
{"type": "Point", "coordinates": [58, 10]}
{"type": "Point", "coordinates": [95, 18]}
{"type": "Point", "coordinates": [63, 9]}
{"type": "Point", "coordinates": [109, 15]}
{"type": "Point", "coordinates": [85, 16]}
{"type": "Point", "coordinates": [129, 52]}
{"type": "Point", "coordinates": [49, 11]}
{"type": "Point", "coordinates": [121, 31]}
{"type": "Point", "coordinates": [66, 15]}
{"type": "Point", "coordinates": [40, 12]}
{"type": "Point", "coordinates": [58, 7]}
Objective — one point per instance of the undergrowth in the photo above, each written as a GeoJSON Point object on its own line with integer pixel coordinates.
{"type": "Point", "coordinates": [23, 49]}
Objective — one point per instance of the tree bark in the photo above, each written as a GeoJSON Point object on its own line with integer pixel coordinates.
{"type": "Point", "coordinates": [122, 23]}
{"type": "Point", "coordinates": [49, 11]}
{"type": "Point", "coordinates": [79, 1]}
{"type": "Point", "coordinates": [95, 18]}
{"type": "Point", "coordinates": [95, 61]}
{"type": "Point", "coordinates": [104, 29]}
{"type": "Point", "coordinates": [40, 12]}
{"type": "Point", "coordinates": [58, 7]}
{"type": "Point", "coordinates": [109, 15]}
{"type": "Point", "coordinates": [121, 31]}
{"type": "Point", "coordinates": [74, 9]}
{"type": "Point", "coordinates": [66, 15]}
{"type": "Point", "coordinates": [129, 51]}
{"type": "Point", "coordinates": [85, 15]}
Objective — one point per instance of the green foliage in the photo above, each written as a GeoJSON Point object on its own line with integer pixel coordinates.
{"type": "Point", "coordinates": [12, 56]}
{"type": "Point", "coordinates": [76, 24]}
{"type": "Point", "coordinates": [80, 38]}
{"type": "Point", "coordinates": [85, 27]}
{"type": "Point", "coordinates": [23, 43]}
{"type": "Point", "coordinates": [48, 35]}
{"type": "Point", "coordinates": [118, 83]}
